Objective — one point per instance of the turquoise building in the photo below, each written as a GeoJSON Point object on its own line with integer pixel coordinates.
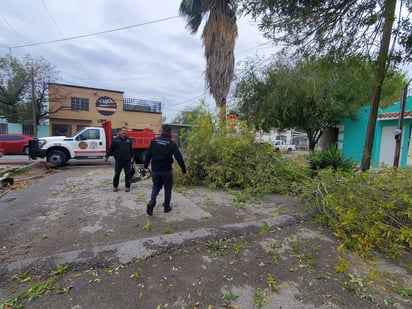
{"type": "Point", "coordinates": [352, 135]}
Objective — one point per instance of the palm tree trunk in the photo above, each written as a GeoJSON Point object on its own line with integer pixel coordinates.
{"type": "Point", "coordinates": [222, 114]}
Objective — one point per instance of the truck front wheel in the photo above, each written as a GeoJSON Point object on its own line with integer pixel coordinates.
{"type": "Point", "coordinates": [56, 158]}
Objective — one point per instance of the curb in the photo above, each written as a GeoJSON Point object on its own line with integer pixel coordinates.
{"type": "Point", "coordinates": [130, 251]}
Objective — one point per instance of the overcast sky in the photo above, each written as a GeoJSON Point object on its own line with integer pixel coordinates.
{"type": "Point", "coordinates": [152, 57]}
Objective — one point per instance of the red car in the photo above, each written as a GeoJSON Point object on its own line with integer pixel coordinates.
{"type": "Point", "coordinates": [15, 143]}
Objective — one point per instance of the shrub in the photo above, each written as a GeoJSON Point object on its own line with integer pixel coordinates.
{"type": "Point", "coordinates": [370, 210]}
{"type": "Point", "coordinates": [330, 158]}
{"type": "Point", "coordinates": [221, 157]}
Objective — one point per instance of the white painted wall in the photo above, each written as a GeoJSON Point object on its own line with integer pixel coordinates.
{"type": "Point", "coordinates": [387, 148]}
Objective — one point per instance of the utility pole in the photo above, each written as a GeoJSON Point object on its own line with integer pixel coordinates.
{"type": "Point", "coordinates": [33, 103]}
{"type": "Point", "coordinates": [398, 131]}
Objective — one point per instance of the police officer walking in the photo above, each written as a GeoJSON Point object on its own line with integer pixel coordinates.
{"type": "Point", "coordinates": [160, 153]}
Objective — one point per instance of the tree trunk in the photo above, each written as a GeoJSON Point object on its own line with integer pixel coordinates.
{"type": "Point", "coordinates": [222, 114]}
{"type": "Point", "coordinates": [311, 139]}
{"type": "Point", "coordinates": [380, 72]}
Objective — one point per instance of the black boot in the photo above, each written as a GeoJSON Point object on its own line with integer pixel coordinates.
{"type": "Point", "coordinates": [150, 206]}
{"type": "Point", "coordinates": [167, 208]}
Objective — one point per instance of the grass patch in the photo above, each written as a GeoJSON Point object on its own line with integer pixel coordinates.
{"type": "Point", "coordinates": [36, 289]}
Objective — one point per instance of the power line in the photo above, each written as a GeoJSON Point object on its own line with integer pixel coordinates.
{"type": "Point", "coordinates": [96, 33]}
{"type": "Point", "coordinates": [176, 104]}
{"type": "Point", "coordinates": [62, 34]}
{"type": "Point", "coordinates": [15, 32]}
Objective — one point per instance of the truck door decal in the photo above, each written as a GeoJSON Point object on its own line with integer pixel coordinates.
{"type": "Point", "coordinates": [93, 145]}
{"type": "Point", "coordinates": [83, 145]}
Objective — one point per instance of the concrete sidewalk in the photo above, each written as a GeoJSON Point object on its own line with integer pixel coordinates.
{"type": "Point", "coordinates": [73, 217]}
{"type": "Point", "coordinates": [130, 251]}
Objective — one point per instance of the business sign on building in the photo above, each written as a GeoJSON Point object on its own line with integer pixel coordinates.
{"type": "Point", "coordinates": [106, 106]}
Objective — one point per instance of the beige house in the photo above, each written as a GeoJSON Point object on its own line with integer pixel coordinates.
{"type": "Point", "coordinates": [74, 107]}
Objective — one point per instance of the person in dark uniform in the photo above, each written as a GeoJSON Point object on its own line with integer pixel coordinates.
{"type": "Point", "coordinates": [160, 154]}
{"type": "Point", "coordinates": [121, 150]}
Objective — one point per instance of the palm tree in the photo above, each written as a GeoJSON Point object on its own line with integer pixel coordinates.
{"type": "Point", "coordinates": [219, 37]}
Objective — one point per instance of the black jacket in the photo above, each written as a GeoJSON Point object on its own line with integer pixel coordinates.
{"type": "Point", "coordinates": [121, 149]}
{"type": "Point", "coordinates": [161, 152]}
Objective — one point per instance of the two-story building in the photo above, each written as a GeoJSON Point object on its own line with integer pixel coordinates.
{"type": "Point", "coordinates": [75, 107]}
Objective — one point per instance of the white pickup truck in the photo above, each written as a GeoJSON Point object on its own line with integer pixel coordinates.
{"type": "Point", "coordinates": [280, 145]}
{"type": "Point", "coordinates": [89, 143]}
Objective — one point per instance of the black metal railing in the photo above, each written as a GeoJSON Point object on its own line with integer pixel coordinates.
{"type": "Point", "coordinates": [28, 129]}
{"type": "Point", "coordinates": [138, 105]}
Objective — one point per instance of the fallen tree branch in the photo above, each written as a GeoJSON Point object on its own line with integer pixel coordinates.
{"type": "Point", "coordinates": [28, 178]}
{"type": "Point", "coordinates": [4, 192]}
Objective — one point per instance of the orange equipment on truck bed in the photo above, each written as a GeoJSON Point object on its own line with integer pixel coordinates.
{"type": "Point", "coordinates": [140, 139]}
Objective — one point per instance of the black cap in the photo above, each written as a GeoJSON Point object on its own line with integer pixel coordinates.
{"type": "Point", "coordinates": [166, 128]}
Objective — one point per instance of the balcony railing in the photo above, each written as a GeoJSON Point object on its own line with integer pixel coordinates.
{"type": "Point", "coordinates": [138, 105]}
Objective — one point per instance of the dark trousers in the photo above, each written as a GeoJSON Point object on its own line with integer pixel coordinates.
{"type": "Point", "coordinates": [162, 179]}
{"type": "Point", "coordinates": [120, 165]}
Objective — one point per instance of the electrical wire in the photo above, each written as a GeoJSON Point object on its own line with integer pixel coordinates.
{"type": "Point", "coordinates": [110, 31]}
{"type": "Point", "coordinates": [90, 80]}
{"type": "Point", "coordinates": [95, 33]}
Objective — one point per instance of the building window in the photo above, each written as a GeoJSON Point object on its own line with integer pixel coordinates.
{"type": "Point", "coordinates": [79, 104]}
{"type": "Point", "coordinates": [3, 128]}
{"type": "Point", "coordinates": [62, 130]}
{"type": "Point", "coordinates": [80, 127]}
{"type": "Point", "coordinates": [28, 129]}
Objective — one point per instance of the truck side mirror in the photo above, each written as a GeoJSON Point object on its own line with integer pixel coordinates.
{"type": "Point", "coordinates": [80, 137]}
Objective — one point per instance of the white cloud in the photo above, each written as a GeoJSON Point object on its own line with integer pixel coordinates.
{"type": "Point", "coordinates": [156, 61]}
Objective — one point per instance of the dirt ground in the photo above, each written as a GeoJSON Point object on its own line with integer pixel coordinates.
{"type": "Point", "coordinates": [294, 266]}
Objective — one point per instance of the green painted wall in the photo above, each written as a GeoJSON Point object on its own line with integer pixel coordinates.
{"type": "Point", "coordinates": [352, 133]}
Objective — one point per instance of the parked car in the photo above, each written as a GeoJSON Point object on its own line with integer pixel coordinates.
{"type": "Point", "coordinates": [280, 145]}
{"type": "Point", "coordinates": [15, 143]}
